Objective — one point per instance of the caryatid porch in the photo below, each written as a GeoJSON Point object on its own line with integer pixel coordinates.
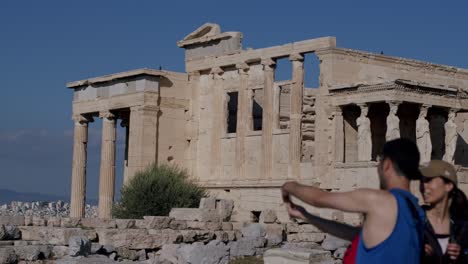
{"type": "Point", "coordinates": [365, 116]}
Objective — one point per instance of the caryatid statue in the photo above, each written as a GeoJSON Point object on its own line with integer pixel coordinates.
{"type": "Point", "coordinates": [423, 135]}
{"type": "Point", "coordinates": [393, 123]}
{"type": "Point", "coordinates": [451, 136]}
{"type": "Point", "coordinates": [364, 135]}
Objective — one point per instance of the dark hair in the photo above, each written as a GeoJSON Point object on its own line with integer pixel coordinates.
{"type": "Point", "coordinates": [459, 205]}
{"type": "Point", "coordinates": [404, 154]}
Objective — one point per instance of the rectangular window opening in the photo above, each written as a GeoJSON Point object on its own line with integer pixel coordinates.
{"type": "Point", "coordinates": [232, 112]}
{"type": "Point", "coordinates": [257, 109]}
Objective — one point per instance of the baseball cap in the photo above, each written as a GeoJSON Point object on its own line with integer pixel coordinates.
{"type": "Point", "coordinates": [439, 168]}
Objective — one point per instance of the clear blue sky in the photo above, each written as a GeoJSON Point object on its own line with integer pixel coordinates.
{"type": "Point", "coordinates": [45, 44]}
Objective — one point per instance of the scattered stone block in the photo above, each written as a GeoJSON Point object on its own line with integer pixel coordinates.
{"type": "Point", "coordinates": [226, 226]}
{"type": "Point", "coordinates": [178, 225]}
{"type": "Point", "coordinates": [306, 237]}
{"type": "Point", "coordinates": [339, 253]}
{"type": "Point", "coordinates": [332, 243]}
{"type": "Point", "coordinates": [246, 246]}
{"type": "Point", "coordinates": [7, 255]}
{"type": "Point", "coordinates": [253, 231]}
{"type": "Point", "coordinates": [157, 222]}
{"type": "Point", "coordinates": [54, 221]}
{"type": "Point", "coordinates": [214, 252]}
{"type": "Point", "coordinates": [59, 252]}
{"type": "Point", "coordinates": [301, 228]}
{"type": "Point", "coordinates": [194, 214]}
{"type": "Point", "coordinates": [224, 208]}
{"type": "Point", "coordinates": [268, 216]}
{"type": "Point", "coordinates": [79, 246]}
{"type": "Point", "coordinates": [98, 223]}
{"type": "Point", "coordinates": [125, 223]}
{"type": "Point", "coordinates": [304, 256]}
{"type": "Point", "coordinates": [32, 252]}
{"type": "Point", "coordinates": [208, 203]}
{"type": "Point", "coordinates": [70, 222]}
{"type": "Point", "coordinates": [11, 232]}
{"type": "Point", "coordinates": [54, 235]}
{"type": "Point", "coordinates": [39, 221]}
{"type": "Point", "coordinates": [126, 253]}
{"type": "Point", "coordinates": [169, 253]}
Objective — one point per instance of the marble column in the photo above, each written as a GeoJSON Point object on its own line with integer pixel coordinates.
{"type": "Point", "coordinates": [339, 134]}
{"type": "Point", "coordinates": [268, 116]}
{"type": "Point", "coordinates": [423, 135]}
{"type": "Point", "coordinates": [364, 135]}
{"type": "Point", "coordinates": [393, 122]}
{"type": "Point", "coordinates": [295, 139]}
{"type": "Point", "coordinates": [219, 122]}
{"type": "Point", "coordinates": [242, 118]}
{"type": "Point", "coordinates": [143, 133]}
{"type": "Point", "coordinates": [78, 181]}
{"type": "Point", "coordinates": [451, 136]}
{"type": "Point", "coordinates": [107, 172]}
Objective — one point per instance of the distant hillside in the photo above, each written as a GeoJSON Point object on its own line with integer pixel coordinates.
{"type": "Point", "coordinates": [7, 196]}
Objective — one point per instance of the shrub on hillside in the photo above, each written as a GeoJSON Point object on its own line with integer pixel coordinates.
{"type": "Point", "coordinates": [155, 191]}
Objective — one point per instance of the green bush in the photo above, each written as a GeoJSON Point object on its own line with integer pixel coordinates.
{"type": "Point", "coordinates": [155, 191]}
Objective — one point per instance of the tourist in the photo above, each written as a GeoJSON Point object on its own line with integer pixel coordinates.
{"type": "Point", "coordinates": [446, 236]}
{"type": "Point", "coordinates": [393, 228]}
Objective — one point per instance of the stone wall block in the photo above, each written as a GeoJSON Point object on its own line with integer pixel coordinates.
{"type": "Point", "coordinates": [306, 237]}
{"type": "Point", "coordinates": [70, 222]}
{"type": "Point", "coordinates": [39, 221]}
{"type": "Point", "coordinates": [11, 220]}
{"type": "Point", "coordinates": [98, 223]}
{"type": "Point", "coordinates": [268, 216]}
{"type": "Point", "coordinates": [54, 221]}
{"type": "Point", "coordinates": [194, 214]}
{"type": "Point", "coordinates": [125, 223]}
{"type": "Point", "coordinates": [301, 228]}
{"type": "Point", "coordinates": [157, 222]}
{"type": "Point", "coordinates": [226, 226]}
{"type": "Point", "coordinates": [54, 235]}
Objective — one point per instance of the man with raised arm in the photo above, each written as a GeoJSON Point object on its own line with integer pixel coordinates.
{"type": "Point", "coordinates": [393, 228]}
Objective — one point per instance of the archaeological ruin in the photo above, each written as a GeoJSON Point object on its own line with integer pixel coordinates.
{"type": "Point", "coordinates": [242, 133]}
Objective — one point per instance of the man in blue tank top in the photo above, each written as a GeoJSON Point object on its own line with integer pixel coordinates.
{"type": "Point", "coordinates": [393, 228]}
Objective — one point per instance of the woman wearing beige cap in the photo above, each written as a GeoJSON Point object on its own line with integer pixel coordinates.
{"type": "Point", "coordinates": [446, 236]}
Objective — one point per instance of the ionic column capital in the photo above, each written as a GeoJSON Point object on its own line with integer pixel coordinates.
{"type": "Point", "coordinates": [243, 68]}
{"type": "Point", "coordinates": [296, 57]}
{"type": "Point", "coordinates": [107, 115]}
{"type": "Point", "coordinates": [393, 102]}
{"type": "Point", "coordinates": [217, 71]}
{"type": "Point", "coordinates": [82, 119]}
{"type": "Point", "coordinates": [268, 63]}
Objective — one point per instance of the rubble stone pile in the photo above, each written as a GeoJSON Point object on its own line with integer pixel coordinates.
{"type": "Point", "coordinates": [188, 235]}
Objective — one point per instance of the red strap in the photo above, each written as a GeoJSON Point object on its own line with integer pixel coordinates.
{"type": "Point", "coordinates": [351, 252]}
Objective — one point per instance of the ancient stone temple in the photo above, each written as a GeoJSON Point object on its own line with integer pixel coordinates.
{"type": "Point", "coordinates": [242, 134]}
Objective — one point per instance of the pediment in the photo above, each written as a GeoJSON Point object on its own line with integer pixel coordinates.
{"type": "Point", "coordinates": [206, 30]}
